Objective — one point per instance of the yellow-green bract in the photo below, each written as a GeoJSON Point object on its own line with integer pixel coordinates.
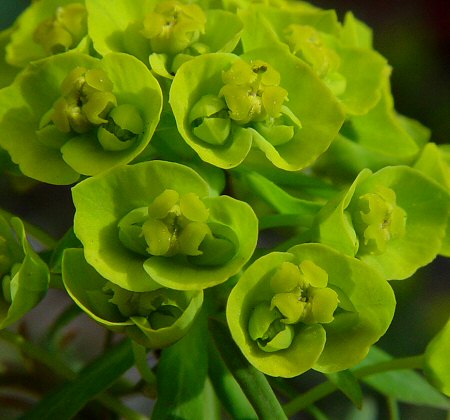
{"type": "Point", "coordinates": [154, 224]}
{"type": "Point", "coordinates": [78, 114]}
{"type": "Point", "coordinates": [308, 308]}
{"type": "Point", "coordinates": [154, 319]}
{"type": "Point", "coordinates": [24, 277]}
{"type": "Point", "coordinates": [227, 107]}
{"type": "Point", "coordinates": [394, 220]}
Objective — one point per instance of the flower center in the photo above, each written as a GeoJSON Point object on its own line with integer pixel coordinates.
{"type": "Point", "coordinates": [172, 26]}
{"type": "Point", "coordinates": [161, 307]}
{"type": "Point", "coordinates": [62, 31]}
{"type": "Point", "coordinates": [300, 295]}
{"type": "Point", "coordinates": [87, 102]}
{"type": "Point", "coordinates": [252, 91]}
{"type": "Point", "coordinates": [171, 225]}
{"type": "Point", "coordinates": [379, 220]}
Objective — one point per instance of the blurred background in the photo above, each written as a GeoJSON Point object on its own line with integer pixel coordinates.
{"type": "Point", "coordinates": [414, 36]}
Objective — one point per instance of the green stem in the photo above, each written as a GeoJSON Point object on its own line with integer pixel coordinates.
{"type": "Point", "coordinates": [43, 237]}
{"type": "Point", "coordinates": [51, 361]}
{"type": "Point", "coordinates": [326, 388]}
{"type": "Point", "coordinates": [252, 381]}
{"type": "Point", "coordinates": [140, 360]}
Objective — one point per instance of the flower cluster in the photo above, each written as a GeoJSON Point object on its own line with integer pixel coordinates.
{"type": "Point", "coordinates": [186, 130]}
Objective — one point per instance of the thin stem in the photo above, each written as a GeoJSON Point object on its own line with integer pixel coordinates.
{"type": "Point", "coordinates": [43, 237]}
{"type": "Point", "coordinates": [50, 360]}
{"type": "Point", "coordinates": [412, 362]}
{"type": "Point", "coordinates": [393, 408]}
{"type": "Point", "coordinates": [326, 388]}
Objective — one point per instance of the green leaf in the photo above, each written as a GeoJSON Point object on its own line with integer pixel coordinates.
{"type": "Point", "coordinates": [437, 362]}
{"type": "Point", "coordinates": [349, 385]}
{"type": "Point", "coordinates": [404, 385]}
{"type": "Point", "coordinates": [69, 240]}
{"type": "Point", "coordinates": [114, 29]}
{"type": "Point", "coordinates": [279, 199]}
{"type": "Point", "coordinates": [226, 387]}
{"type": "Point", "coordinates": [181, 376]}
{"type": "Point", "coordinates": [433, 163]}
{"type": "Point", "coordinates": [24, 276]}
{"type": "Point", "coordinates": [252, 381]}
{"type": "Point", "coordinates": [95, 378]}
{"type": "Point", "coordinates": [7, 72]}
{"type": "Point", "coordinates": [377, 139]}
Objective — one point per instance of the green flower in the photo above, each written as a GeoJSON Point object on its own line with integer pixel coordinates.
{"type": "Point", "coordinates": [154, 319]}
{"type": "Point", "coordinates": [24, 277]}
{"type": "Point", "coordinates": [79, 115]}
{"type": "Point", "coordinates": [224, 105]}
{"type": "Point", "coordinates": [158, 225]}
{"type": "Point", "coordinates": [341, 55]}
{"type": "Point", "coordinates": [48, 27]}
{"type": "Point", "coordinates": [161, 33]}
{"type": "Point", "coordinates": [393, 220]}
{"type": "Point", "coordinates": [434, 162]}
{"type": "Point", "coordinates": [310, 307]}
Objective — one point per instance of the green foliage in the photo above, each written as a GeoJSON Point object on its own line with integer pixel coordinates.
{"type": "Point", "coordinates": [243, 190]}
{"type": "Point", "coordinates": [23, 275]}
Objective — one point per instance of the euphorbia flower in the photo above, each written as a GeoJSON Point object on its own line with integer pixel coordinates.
{"type": "Point", "coordinates": [434, 162]}
{"type": "Point", "coordinates": [154, 319]}
{"type": "Point", "coordinates": [48, 27]}
{"type": "Point", "coordinates": [341, 55]}
{"type": "Point", "coordinates": [394, 220]}
{"type": "Point", "coordinates": [309, 307]}
{"type": "Point", "coordinates": [24, 277]}
{"type": "Point", "coordinates": [162, 33]}
{"type": "Point", "coordinates": [224, 105]}
{"type": "Point", "coordinates": [79, 115]}
{"type": "Point", "coordinates": [158, 225]}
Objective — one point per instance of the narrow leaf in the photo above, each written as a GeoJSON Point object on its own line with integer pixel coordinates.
{"type": "Point", "coordinates": [349, 385]}
{"type": "Point", "coordinates": [228, 390]}
{"type": "Point", "coordinates": [404, 385]}
{"type": "Point", "coordinates": [98, 376]}
{"type": "Point", "coordinates": [181, 376]}
{"type": "Point", "coordinates": [252, 381]}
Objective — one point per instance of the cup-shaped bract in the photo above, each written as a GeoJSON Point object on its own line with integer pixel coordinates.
{"type": "Point", "coordinates": [309, 307]}
{"type": "Point", "coordinates": [266, 99]}
{"type": "Point", "coordinates": [394, 220]}
{"type": "Point", "coordinates": [379, 138]}
{"type": "Point", "coordinates": [154, 223]}
{"type": "Point", "coordinates": [162, 33]}
{"type": "Point", "coordinates": [341, 55]}
{"type": "Point", "coordinates": [24, 277]}
{"type": "Point", "coordinates": [154, 319]}
{"type": "Point", "coordinates": [434, 162]}
{"type": "Point", "coordinates": [7, 71]}
{"type": "Point", "coordinates": [72, 114]}
{"type": "Point", "coordinates": [48, 27]}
